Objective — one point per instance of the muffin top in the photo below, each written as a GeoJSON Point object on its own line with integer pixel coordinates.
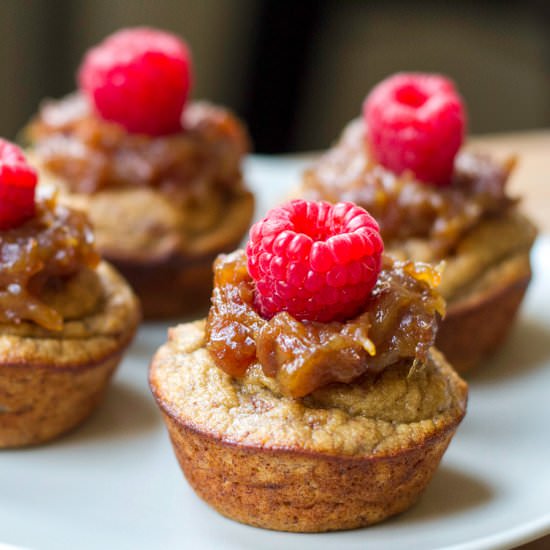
{"type": "Point", "coordinates": [59, 307]}
{"type": "Point", "coordinates": [381, 414]}
{"type": "Point", "coordinates": [180, 194]}
{"type": "Point", "coordinates": [395, 321]}
{"type": "Point", "coordinates": [47, 252]}
{"type": "Point", "coordinates": [88, 334]}
{"type": "Point", "coordinates": [47, 267]}
{"type": "Point", "coordinates": [427, 219]}
{"type": "Point", "coordinates": [160, 177]}
{"type": "Point", "coordinates": [404, 162]}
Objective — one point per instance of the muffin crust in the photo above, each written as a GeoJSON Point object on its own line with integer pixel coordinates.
{"type": "Point", "coordinates": [343, 457]}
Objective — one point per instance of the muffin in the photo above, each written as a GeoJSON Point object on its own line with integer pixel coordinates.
{"type": "Point", "coordinates": [159, 177]}
{"type": "Point", "coordinates": [311, 399]}
{"type": "Point", "coordinates": [435, 202]}
{"type": "Point", "coordinates": [65, 317]}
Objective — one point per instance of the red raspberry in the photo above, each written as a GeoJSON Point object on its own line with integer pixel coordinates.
{"type": "Point", "coordinates": [140, 79]}
{"type": "Point", "coordinates": [416, 122]}
{"type": "Point", "coordinates": [315, 260]}
{"type": "Point", "coordinates": [17, 185]}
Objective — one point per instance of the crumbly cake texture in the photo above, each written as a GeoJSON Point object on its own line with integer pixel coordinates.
{"type": "Point", "coordinates": [51, 381]}
{"type": "Point", "coordinates": [344, 457]}
{"type": "Point", "coordinates": [478, 323]}
{"type": "Point", "coordinates": [484, 283]}
{"type": "Point", "coordinates": [155, 229]}
{"type": "Point", "coordinates": [483, 249]}
{"type": "Point", "coordinates": [169, 269]}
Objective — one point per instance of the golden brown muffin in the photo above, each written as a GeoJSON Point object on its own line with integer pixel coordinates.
{"type": "Point", "coordinates": [64, 324]}
{"type": "Point", "coordinates": [473, 226]}
{"type": "Point", "coordinates": [163, 207]}
{"type": "Point", "coordinates": [308, 426]}
{"type": "Point", "coordinates": [484, 283]}
{"type": "Point", "coordinates": [344, 457]}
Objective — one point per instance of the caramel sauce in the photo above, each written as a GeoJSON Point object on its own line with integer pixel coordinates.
{"type": "Point", "coordinates": [39, 255]}
{"type": "Point", "coordinates": [399, 321]}
{"type": "Point", "coordinates": [91, 154]}
{"type": "Point", "coordinates": [404, 207]}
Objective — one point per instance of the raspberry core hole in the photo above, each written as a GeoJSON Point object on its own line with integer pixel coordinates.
{"type": "Point", "coordinates": [411, 96]}
{"type": "Point", "coordinates": [317, 229]}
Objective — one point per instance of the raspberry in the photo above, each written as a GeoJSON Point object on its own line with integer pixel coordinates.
{"type": "Point", "coordinates": [416, 122]}
{"type": "Point", "coordinates": [317, 261]}
{"type": "Point", "coordinates": [140, 79]}
{"type": "Point", "coordinates": [17, 185]}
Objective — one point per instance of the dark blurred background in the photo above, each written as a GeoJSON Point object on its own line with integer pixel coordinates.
{"type": "Point", "coordinates": [297, 71]}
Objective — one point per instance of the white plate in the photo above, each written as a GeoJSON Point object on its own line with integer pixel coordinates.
{"type": "Point", "coordinates": [115, 484]}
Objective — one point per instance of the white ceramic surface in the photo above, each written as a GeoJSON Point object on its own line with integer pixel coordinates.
{"type": "Point", "coordinates": [115, 484]}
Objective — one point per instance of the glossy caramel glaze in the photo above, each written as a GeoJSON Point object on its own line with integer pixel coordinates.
{"type": "Point", "coordinates": [399, 322]}
{"type": "Point", "coordinates": [90, 154]}
{"type": "Point", "coordinates": [405, 208]}
{"type": "Point", "coordinates": [39, 258]}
